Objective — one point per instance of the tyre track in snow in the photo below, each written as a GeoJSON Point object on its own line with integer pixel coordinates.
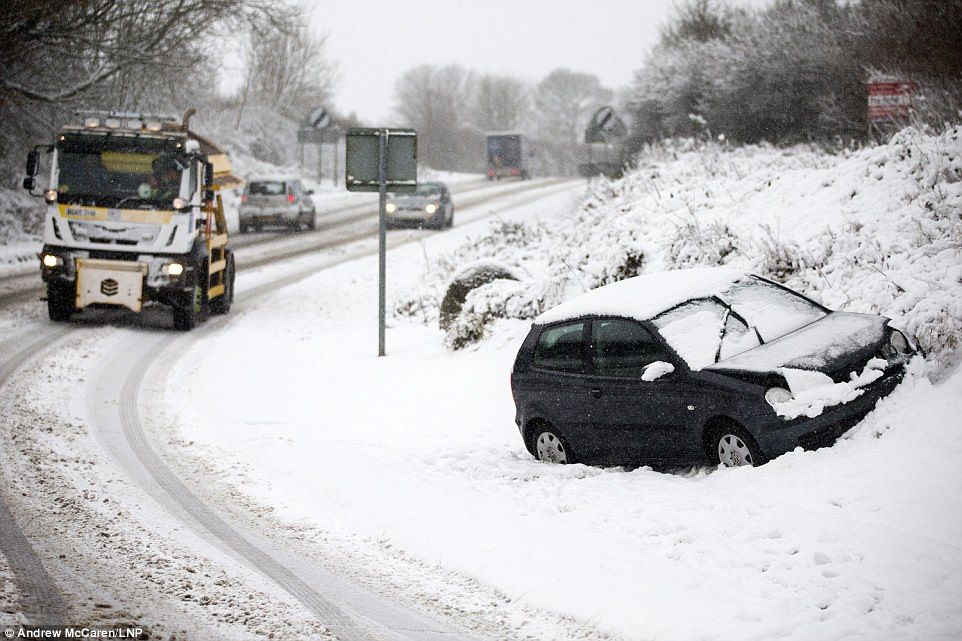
{"type": "Point", "coordinates": [41, 599]}
{"type": "Point", "coordinates": [351, 612]}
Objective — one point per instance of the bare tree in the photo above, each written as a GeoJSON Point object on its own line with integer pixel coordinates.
{"type": "Point", "coordinates": [288, 71]}
{"type": "Point", "coordinates": [564, 101]}
{"type": "Point", "coordinates": [436, 102]}
{"type": "Point", "coordinates": [500, 103]}
{"type": "Point", "coordinates": [58, 55]}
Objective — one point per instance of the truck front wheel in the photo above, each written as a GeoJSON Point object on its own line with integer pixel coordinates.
{"type": "Point", "coordinates": [192, 309]}
{"type": "Point", "coordinates": [61, 301]}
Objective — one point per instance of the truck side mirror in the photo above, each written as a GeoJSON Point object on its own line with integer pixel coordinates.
{"type": "Point", "coordinates": [33, 163]}
{"type": "Point", "coordinates": [208, 175]}
{"type": "Point", "coordinates": [29, 183]}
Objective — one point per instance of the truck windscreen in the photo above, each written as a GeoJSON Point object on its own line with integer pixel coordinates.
{"type": "Point", "coordinates": [95, 172]}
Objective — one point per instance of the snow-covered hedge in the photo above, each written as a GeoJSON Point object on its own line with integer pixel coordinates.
{"type": "Point", "coordinates": [872, 230]}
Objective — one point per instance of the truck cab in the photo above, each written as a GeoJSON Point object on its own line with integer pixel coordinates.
{"type": "Point", "coordinates": [132, 218]}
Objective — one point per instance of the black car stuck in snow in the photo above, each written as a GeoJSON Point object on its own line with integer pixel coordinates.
{"type": "Point", "coordinates": [697, 365]}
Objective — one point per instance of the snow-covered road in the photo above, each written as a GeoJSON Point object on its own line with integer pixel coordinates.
{"type": "Point", "coordinates": [156, 532]}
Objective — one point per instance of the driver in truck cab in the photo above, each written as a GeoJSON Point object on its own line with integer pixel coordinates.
{"type": "Point", "coordinates": [164, 183]}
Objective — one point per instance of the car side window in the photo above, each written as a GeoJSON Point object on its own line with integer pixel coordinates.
{"type": "Point", "coordinates": [621, 347]}
{"type": "Point", "coordinates": [559, 347]}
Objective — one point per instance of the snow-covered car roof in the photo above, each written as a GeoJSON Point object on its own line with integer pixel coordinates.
{"type": "Point", "coordinates": [645, 296]}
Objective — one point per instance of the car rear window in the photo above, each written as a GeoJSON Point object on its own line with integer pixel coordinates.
{"type": "Point", "coordinates": [267, 188]}
{"type": "Point", "coordinates": [559, 347]}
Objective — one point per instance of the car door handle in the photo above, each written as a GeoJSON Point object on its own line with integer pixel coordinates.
{"type": "Point", "coordinates": [595, 391]}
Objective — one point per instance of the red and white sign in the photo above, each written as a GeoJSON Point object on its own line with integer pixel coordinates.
{"type": "Point", "coordinates": [890, 99]}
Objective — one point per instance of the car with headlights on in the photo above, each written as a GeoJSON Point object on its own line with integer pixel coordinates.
{"type": "Point", "coordinates": [700, 365]}
{"type": "Point", "coordinates": [430, 206]}
{"type": "Point", "coordinates": [276, 201]}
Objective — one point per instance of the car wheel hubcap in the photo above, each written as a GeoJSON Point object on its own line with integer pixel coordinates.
{"type": "Point", "coordinates": [550, 449]}
{"type": "Point", "coordinates": [733, 452]}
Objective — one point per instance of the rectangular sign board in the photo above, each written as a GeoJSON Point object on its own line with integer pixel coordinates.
{"type": "Point", "coordinates": [890, 99]}
{"type": "Point", "coordinates": [361, 163]}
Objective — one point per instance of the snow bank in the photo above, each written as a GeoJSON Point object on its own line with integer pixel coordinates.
{"type": "Point", "coordinates": [418, 453]}
{"type": "Point", "coordinates": [876, 230]}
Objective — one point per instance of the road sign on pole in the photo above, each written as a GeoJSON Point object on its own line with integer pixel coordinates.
{"type": "Point", "coordinates": [378, 160]}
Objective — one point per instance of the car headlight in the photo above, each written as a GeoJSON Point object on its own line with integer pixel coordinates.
{"type": "Point", "coordinates": [174, 269]}
{"type": "Point", "coordinates": [777, 395]}
{"type": "Point", "coordinates": [899, 342]}
{"type": "Point", "coordinates": [390, 208]}
{"type": "Point", "coordinates": [431, 208]}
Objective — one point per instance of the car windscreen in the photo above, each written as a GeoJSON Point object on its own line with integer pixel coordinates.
{"type": "Point", "coordinates": [694, 330]}
{"type": "Point", "coordinates": [772, 310]}
{"type": "Point", "coordinates": [423, 191]}
{"type": "Point", "coordinates": [267, 188]}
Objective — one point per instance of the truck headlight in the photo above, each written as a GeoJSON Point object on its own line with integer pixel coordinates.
{"type": "Point", "coordinates": [50, 196]}
{"type": "Point", "coordinates": [51, 261]}
{"type": "Point", "coordinates": [174, 269]}
{"type": "Point", "coordinates": [431, 208]}
{"type": "Point", "coordinates": [179, 204]}
{"type": "Point", "coordinates": [390, 208]}
{"type": "Point", "coordinates": [777, 395]}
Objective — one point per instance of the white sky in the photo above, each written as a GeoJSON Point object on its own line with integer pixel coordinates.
{"type": "Point", "coordinates": [375, 41]}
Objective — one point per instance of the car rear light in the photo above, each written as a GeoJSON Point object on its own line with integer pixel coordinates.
{"type": "Point", "coordinates": [490, 172]}
{"type": "Point", "coordinates": [244, 199]}
{"type": "Point", "coordinates": [514, 172]}
{"type": "Point", "coordinates": [291, 198]}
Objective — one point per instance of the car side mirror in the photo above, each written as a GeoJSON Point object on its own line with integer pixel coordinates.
{"type": "Point", "coordinates": [33, 163]}
{"type": "Point", "coordinates": [656, 370]}
{"type": "Point", "coordinates": [309, 192]}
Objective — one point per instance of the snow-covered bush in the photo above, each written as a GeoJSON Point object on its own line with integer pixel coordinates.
{"type": "Point", "coordinates": [694, 243]}
{"type": "Point", "coordinates": [778, 259]}
{"type": "Point", "coordinates": [501, 298]}
{"type": "Point", "coordinates": [464, 283]}
{"type": "Point", "coordinates": [21, 216]}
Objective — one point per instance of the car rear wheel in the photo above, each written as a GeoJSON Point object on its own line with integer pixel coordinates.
{"type": "Point", "coordinates": [550, 447]}
{"type": "Point", "coordinates": [735, 447]}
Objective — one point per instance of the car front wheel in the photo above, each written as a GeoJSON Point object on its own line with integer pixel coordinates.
{"type": "Point", "coordinates": [735, 447]}
{"type": "Point", "coordinates": [550, 446]}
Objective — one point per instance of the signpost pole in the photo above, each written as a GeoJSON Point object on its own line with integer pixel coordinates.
{"type": "Point", "coordinates": [382, 238]}
{"type": "Point", "coordinates": [336, 153]}
{"type": "Point", "coordinates": [320, 161]}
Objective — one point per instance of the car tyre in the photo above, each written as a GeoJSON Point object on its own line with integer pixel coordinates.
{"type": "Point", "coordinates": [733, 446]}
{"type": "Point", "coordinates": [549, 446]}
{"type": "Point", "coordinates": [61, 301]}
{"type": "Point", "coordinates": [312, 221]}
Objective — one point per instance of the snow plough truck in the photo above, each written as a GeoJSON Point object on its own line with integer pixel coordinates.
{"type": "Point", "coordinates": [133, 217]}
